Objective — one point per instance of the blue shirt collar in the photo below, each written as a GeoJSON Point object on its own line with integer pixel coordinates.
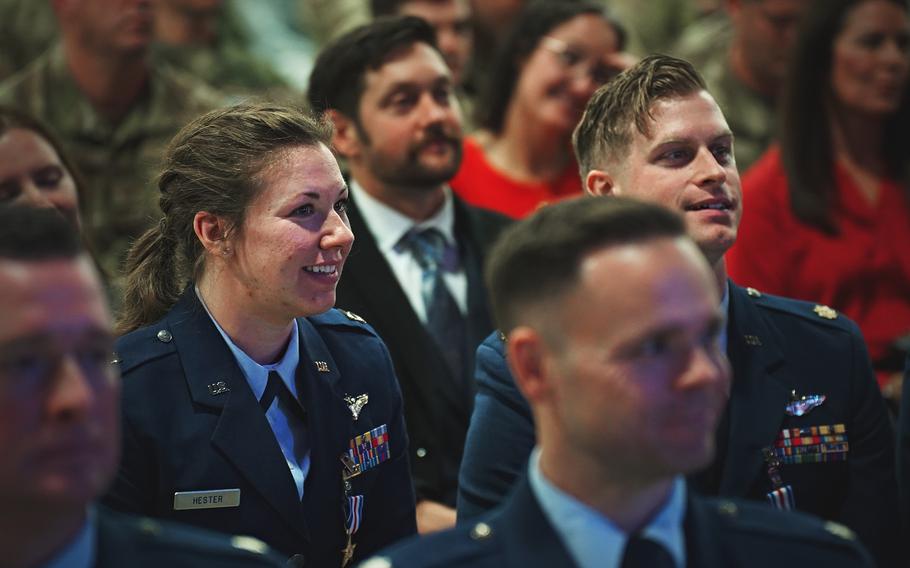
{"type": "Point", "coordinates": [257, 375]}
{"type": "Point", "coordinates": [80, 552]}
{"type": "Point", "coordinates": [591, 538]}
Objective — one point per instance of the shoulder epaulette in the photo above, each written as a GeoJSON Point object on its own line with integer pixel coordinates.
{"type": "Point", "coordinates": [809, 311]}
{"type": "Point", "coordinates": [187, 539]}
{"type": "Point", "coordinates": [143, 345]}
{"type": "Point", "coordinates": [342, 318]}
{"type": "Point", "coordinates": [754, 518]}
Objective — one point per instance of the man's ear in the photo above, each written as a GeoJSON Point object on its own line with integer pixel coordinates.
{"type": "Point", "coordinates": [599, 182]}
{"type": "Point", "coordinates": [212, 230]}
{"type": "Point", "coordinates": [346, 137]}
{"type": "Point", "coordinates": [526, 354]}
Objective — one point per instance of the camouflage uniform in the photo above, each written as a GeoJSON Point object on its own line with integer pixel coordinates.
{"type": "Point", "coordinates": [118, 161]}
{"type": "Point", "coordinates": [750, 115]}
{"type": "Point", "coordinates": [27, 29]}
{"type": "Point", "coordinates": [228, 67]}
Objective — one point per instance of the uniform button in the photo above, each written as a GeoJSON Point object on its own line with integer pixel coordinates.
{"type": "Point", "coordinates": [164, 336]}
{"type": "Point", "coordinates": [481, 531]}
{"type": "Point", "coordinates": [421, 452]}
{"type": "Point", "coordinates": [297, 561]}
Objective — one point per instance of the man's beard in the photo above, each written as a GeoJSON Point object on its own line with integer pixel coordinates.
{"type": "Point", "coordinates": [411, 172]}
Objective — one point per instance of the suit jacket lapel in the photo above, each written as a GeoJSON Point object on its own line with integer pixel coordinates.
{"type": "Point", "coordinates": [758, 395]}
{"type": "Point", "coordinates": [392, 313]}
{"type": "Point", "coordinates": [243, 434]}
{"type": "Point", "coordinates": [478, 320]}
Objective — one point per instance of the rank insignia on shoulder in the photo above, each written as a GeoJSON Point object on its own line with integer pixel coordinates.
{"type": "Point", "coordinates": [356, 404]}
{"type": "Point", "coordinates": [753, 293]}
{"type": "Point", "coordinates": [370, 449]}
{"type": "Point", "coordinates": [825, 312]}
{"type": "Point", "coordinates": [352, 316]}
{"type": "Point", "coordinates": [800, 405]}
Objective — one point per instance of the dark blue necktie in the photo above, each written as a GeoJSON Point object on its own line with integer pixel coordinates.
{"type": "Point", "coordinates": [445, 323]}
{"type": "Point", "coordinates": [643, 552]}
{"type": "Point", "coordinates": [275, 388]}
{"type": "Point", "coordinates": [287, 418]}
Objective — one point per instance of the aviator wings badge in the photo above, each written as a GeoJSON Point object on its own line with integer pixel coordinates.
{"type": "Point", "coordinates": [356, 404]}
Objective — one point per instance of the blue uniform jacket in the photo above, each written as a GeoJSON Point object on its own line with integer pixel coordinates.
{"type": "Point", "coordinates": [776, 346]}
{"type": "Point", "coordinates": [140, 542]}
{"type": "Point", "coordinates": [191, 423]}
{"type": "Point", "coordinates": [719, 534]}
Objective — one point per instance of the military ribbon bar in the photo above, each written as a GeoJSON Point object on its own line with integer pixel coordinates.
{"type": "Point", "coordinates": [370, 448]}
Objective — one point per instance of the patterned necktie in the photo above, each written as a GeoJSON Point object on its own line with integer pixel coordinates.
{"type": "Point", "coordinates": [445, 323]}
{"type": "Point", "coordinates": [643, 552]}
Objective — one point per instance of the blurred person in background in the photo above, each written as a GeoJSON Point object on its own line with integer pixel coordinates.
{"type": "Point", "coordinates": [451, 19]}
{"type": "Point", "coordinates": [555, 57]}
{"type": "Point", "coordinates": [113, 109]}
{"type": "Point", "coordinates": [34, 169]}
{"type": "Point", "coordinates": [742, 54]}
{"type": "Point", "coordinates": [827, 214]}
{"type": "Point", "coordinates": [199, 37]}
{"type": "Point", "coordinates": [27, 29]}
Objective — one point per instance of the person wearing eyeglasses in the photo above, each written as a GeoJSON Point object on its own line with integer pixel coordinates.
{"type": "Point", "coordinates": [556, 55]}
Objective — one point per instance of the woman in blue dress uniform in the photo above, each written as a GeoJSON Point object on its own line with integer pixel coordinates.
{"type": "Point", "coordinates": [251, 406]}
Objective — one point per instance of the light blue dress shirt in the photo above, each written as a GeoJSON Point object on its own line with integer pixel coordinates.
{"type": "Point", "coordinates": [80, 552]}
{"type": "Point", "coordinates": [388, 226]}
{"type": "Point", "coordinates": [592, 539]}
{"type": "Point", "coordinates": [289, 430]}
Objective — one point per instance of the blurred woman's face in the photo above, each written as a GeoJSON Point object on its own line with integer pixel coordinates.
{"type": "Point", "coordinates": [564, 70]}
{"type": "Point", "coordinates": [289, 255]}
{"type": "Point", "coordinates": [31, 173]}
{"type": "Point", "coordinates": [871, 58]}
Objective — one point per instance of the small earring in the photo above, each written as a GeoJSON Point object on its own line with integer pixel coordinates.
{"type": "Point", "coordinates": [226, 251]}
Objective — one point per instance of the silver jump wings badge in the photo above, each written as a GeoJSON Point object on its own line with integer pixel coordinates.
{"type": "Point", "coordinates": [356, 404]}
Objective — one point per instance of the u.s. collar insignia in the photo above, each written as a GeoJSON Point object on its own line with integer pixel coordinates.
{"type": "Point", "coordinates": [825, 312]}
{"type": "Point", "coordinates": [803, 404]}
{"type": "Point", "coordinates": [356, 404]}
{"type": "Point", "coordinates": [322, 366]}
{"type": "Point", "coordinates": [752, 340]}
{"type": "Point", "coordinates": [219, 388]}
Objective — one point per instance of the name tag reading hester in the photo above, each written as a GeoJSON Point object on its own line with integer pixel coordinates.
{"type": "Point", "coordinates": [215, 499]}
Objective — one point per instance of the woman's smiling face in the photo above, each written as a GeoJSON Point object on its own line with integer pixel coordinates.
{"type": "Point", "coordinates": [569, 63]}
{"type": "Point", "coordinates": [289, 254]}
